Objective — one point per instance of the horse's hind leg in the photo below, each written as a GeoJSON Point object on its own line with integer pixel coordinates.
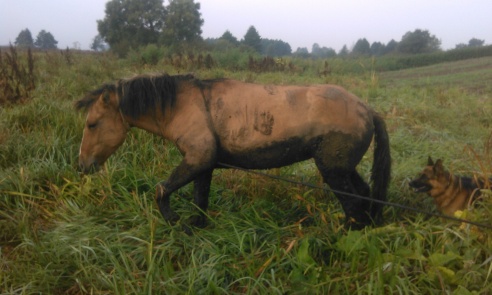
{"type": "Point", "coordinates": [336, 156]}
{"type": "Point", "coordinates": [371, 209]}
{"type": "Point", "coordinates": [342, 181]}
{"type": "Point", "coordinates": [360, 185]}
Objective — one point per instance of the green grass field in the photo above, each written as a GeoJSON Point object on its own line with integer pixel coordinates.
{"type": "Point", "coordinates": [103, 234]}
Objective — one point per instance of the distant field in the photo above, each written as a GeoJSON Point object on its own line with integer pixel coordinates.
{"type": "Point", "coordinates": [61, 233]}
{"type": "Point", "coordinates": [474, 75]}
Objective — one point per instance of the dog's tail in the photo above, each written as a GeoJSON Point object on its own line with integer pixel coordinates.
{"type": "Point", "coordinates": [381, 167]}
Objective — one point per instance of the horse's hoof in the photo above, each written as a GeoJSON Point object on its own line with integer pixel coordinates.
{"type": "Point", "coordinates": [172, 218]}
{"type": "Point", "coordinates": [195, 221]}
{"type": "Point", "coordinates": [187, 229]}
{"type": "Point", "coordinates": [198, 221]}
{"type": "Point", "coordinates": [352, 224]}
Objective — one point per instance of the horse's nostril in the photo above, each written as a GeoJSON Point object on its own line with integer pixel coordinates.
{"type": "Point", "coordinates": [88, 169]}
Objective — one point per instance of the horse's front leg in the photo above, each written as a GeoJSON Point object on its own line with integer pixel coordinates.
{"type": "Point", "coordinates": [199, 151]}
{"type": "Point", "coordinates": [181, 175]}
{"type": "Point", "coordinates": [200, 193]}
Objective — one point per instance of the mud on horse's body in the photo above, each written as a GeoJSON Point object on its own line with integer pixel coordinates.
{"type": "Point", "coordinates": [247, 125]}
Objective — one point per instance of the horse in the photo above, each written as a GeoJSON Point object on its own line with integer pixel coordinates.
{"type": "Point", "coordinates": [224, 123]}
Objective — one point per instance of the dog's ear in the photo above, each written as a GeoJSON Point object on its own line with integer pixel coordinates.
{"type": "Point", "coordinates": [430, 162]}
{"type": "Point", "coordinates": [438, 167]}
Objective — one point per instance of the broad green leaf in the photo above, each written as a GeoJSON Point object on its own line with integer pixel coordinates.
{"type": "Point", "coordinates": [351, 242]}
{"type": "Point", "coordinates": [438, 259]}
{"type": "Point", "coordinates": [303, 253]}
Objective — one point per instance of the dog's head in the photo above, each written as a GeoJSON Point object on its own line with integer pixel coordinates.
{"type": "Point", "coordinates": [433, 177]}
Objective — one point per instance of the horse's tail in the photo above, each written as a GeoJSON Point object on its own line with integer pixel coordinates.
{"type": "Point", "coordinates": [381, 167]}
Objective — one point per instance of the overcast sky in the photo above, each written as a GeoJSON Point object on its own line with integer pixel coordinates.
{"type": "Point", "coordinates": [301, 23]}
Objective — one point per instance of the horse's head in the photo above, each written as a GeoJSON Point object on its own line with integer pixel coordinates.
{"type": "Point", "coordinates": [105, 128]}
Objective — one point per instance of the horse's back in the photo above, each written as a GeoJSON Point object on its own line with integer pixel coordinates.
{"type": "Point", "coordinates": [247, 112]}
{"type": "Point", "coordinates": [283, 120]}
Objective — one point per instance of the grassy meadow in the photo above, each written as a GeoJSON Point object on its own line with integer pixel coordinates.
{"type": "Point", "coordinates": [61, 233]}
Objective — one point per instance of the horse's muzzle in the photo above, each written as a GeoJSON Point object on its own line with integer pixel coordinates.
{"type": "Point", "coordinates": [90, 168]}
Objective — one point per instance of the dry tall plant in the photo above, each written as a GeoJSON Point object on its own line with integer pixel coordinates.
{"type": "Point", "coordinates": [17, 77]}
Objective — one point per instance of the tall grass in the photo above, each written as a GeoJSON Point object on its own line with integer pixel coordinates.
{"type": "Point", "coordinates": [63, 233]}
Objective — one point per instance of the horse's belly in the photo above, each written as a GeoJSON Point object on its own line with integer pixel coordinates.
{"type": "Point", "coordinates": [270, 155]}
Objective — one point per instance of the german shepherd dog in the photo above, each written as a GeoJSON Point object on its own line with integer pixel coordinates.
{"type": "Point", "coordinates": [450, 192]}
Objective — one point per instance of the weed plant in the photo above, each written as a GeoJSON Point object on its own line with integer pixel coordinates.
{"type": "Point", "coordinates": [17, 76]}
{"type": "Point", "coordinates": [102, 234]}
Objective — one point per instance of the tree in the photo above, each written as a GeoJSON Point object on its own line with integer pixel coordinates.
{"type": "Point", "coordinates": [322, 52]}
{"type": "Point", "coordinates": [390, 47]}
{"type": "Point", "coordinates": [329, 52]}
{"type": "Point", "coordinates": [253, 39]}
{"type": "Point", "coordinates": [275, 47]}
{"type": "Point", "coordinates": [24, 39]}
{"type": "Point", "coordinates": [183, 22]}
{"type": "Point", "coordinates": [98, 44]}
{"type": "Point", "coordinates": [227, 36]}
{"type": "Point", "coordinates": [362, 47]}
{"type": "Point", "coordinates": [45, 40]}
{"type": "Point", "coordinates": [460, 46]}
{"type": "Point", "coordinates": [377, 48]}
{"type": "Point", "coordinates": [316, 49]}
{"type": "Point", "coordinates": [418, 41]}
{"type": "Point", "coordinates": [301, 52]}
{"type": "Point", "coordinates": [474, 42]}
{"type": "Point", "coordinates": [131, 23]}
{"type": "Point", "coordinates": [344, 51]}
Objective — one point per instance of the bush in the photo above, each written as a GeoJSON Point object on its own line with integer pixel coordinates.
{"type": "Point", "coordinates": [151, 54]}
{"type": "Point", "coordinates": [232, 59]}
{"type": "Point", "coordinates": [148, 55]}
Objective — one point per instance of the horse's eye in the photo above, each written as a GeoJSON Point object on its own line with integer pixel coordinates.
{"type": "Point", "coordinates": [91, 126]}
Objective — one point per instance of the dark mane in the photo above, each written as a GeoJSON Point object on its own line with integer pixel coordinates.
{"type": "Point", "coordinates": [145, 93]}
{"type": "Point", "coordinates": [87, 101]}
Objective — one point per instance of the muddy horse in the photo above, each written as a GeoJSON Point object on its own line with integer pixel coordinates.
{"type": "Point", "coordinates": [221, 123]}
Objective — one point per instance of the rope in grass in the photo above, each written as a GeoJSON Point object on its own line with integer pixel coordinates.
{"type": "Point", "coordinates": [400, 206]}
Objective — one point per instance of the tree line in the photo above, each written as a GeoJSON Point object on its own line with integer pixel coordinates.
{"type": "Point", "coordinates": [44, 40]}
{"type": "Point", "coordinates": [132, 24]}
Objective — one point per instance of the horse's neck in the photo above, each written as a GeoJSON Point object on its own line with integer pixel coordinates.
{"type": "Point", "coordinates": [150, 123]}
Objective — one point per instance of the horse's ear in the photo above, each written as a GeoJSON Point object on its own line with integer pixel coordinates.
{"type": "Point", "coordinates": [106, 96]}
{"type": "Point", "coordinates": [430, 162]}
